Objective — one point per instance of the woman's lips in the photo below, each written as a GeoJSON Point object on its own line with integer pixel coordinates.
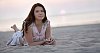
{"type": "Point", "coordinates": [40, 16]}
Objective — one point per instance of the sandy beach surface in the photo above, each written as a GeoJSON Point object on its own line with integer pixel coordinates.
{"type": "Point", "coordinates": [70, 39]}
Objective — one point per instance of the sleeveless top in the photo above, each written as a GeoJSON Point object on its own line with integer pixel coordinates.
{"type": "Point", "coordinates": [39, 36]}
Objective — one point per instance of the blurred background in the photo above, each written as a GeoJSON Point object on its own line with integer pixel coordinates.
{"type": "Point", "coordinates": [59, 12]}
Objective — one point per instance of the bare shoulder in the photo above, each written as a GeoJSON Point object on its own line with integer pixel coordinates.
{"type": "Point", "coordinates": [30, 27]}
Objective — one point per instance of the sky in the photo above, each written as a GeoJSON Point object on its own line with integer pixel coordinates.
{"type": "Point", "coordinates": [15, 11]}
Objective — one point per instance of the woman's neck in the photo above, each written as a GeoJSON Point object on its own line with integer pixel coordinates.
{"type": "Point", "coordinates": [38, 22]}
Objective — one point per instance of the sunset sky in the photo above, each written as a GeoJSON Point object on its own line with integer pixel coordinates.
{"type": "Point", "coordinates": [15, 11]}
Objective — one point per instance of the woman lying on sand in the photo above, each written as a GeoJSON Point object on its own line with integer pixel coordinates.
{"type": "Point", "coordinates": [36, 29]}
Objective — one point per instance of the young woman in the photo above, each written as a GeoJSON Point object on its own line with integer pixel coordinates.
{"type": "Point", "coordinates": [36, 27]}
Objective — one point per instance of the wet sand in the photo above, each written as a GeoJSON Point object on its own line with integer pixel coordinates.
{"type": "Point", "coordinates": [70, 39]}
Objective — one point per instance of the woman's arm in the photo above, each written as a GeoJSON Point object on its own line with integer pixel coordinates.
{"type": "Point", "coordinates": [29, 37]}
{"type": "Point", "coordinates": [49, 39]}
{"type": "Point", "coordinates": [48, 31]}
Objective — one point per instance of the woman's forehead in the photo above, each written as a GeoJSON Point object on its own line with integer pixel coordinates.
{"type": "Point", "coordinates": [38, 8]}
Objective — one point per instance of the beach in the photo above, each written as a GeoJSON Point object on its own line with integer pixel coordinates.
{"type": "Point", "coordinates": [69, 39]}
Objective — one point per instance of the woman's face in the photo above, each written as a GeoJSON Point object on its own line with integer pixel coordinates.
{"type": "Point", "coordinates": [39, 13]}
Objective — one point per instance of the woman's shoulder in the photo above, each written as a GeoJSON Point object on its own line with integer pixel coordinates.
{"type": "Point", "coordinates": [47, 22]}
{"type": "Point", "coordinates": [31, 25]}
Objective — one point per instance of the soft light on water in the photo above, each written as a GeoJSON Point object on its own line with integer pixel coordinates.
{"type": "Point", "coordinates": [75, 19]}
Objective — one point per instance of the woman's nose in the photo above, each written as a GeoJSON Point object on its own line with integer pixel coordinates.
{"type": "Point", "coordinates": [40, 13]}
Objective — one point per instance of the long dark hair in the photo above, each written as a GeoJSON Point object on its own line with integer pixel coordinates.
{"type": "Point", "coordinates": [31, 17]}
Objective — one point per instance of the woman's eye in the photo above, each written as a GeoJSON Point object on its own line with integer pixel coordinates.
{"type": "Point", "coordinates": [42, 11]}
{"type": "Point", "coordinates": [37, 11]}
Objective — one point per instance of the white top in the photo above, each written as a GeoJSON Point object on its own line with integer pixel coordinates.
{"type": "Point", "coordinates": [39, 36]}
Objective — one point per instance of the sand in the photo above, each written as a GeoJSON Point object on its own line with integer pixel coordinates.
{"type": "Point", "coordinates": [70, 39]}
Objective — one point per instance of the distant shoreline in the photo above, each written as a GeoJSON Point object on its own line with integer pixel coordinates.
{"type": "Point", "coordinates": [63, 26]}
{"type": "Point", "coordinates": [76, 25]}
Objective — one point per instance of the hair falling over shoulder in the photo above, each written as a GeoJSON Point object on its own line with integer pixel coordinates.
{"type": "Point", "coordinates": [31, 17]}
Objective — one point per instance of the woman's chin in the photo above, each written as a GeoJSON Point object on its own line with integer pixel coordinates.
{"type": "Point", "coordinates": [40, 19]}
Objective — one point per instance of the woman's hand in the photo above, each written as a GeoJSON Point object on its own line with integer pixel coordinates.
{"type": "Point", "coordinates": [49, 41]}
